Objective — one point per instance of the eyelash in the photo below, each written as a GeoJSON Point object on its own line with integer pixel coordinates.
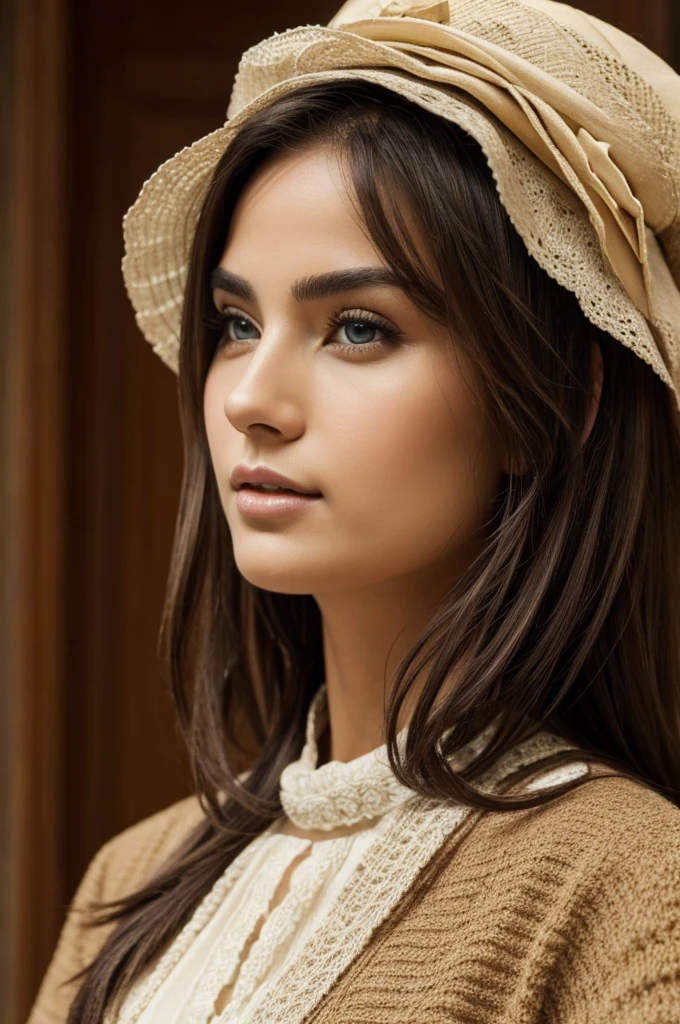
{"type": "Point", "coordinates": [220, 320]}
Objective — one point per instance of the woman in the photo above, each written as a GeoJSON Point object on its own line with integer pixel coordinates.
{"type": "Point", "coordinates": [427, 280]}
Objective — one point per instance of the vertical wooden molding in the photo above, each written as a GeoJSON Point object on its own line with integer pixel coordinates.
{"type": "Point", "coordinates": [7, 39]}
{"type": "Point", "coordinates": [658, 16]}
{"type": "Point", "coordinates": [674, 55]}
{"type": "Point", "coordinates": [36, 474]}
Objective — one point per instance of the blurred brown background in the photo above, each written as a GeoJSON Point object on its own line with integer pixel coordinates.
{"type": "Point", "coordinates": [94, 95]}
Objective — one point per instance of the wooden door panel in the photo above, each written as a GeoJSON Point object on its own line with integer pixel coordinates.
{"type": "Point", "coordinates": [126, 85]}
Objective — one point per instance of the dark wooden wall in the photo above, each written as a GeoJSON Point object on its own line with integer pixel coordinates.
{"type": "Point", "coordinates": [105, 92]}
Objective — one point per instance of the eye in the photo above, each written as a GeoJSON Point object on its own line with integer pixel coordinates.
{"type": "Point", "coordinates": [230, 326]}
{"type": "Point", "coordinates": [360, 328]}
{"type": "Point", "coordinates": [239, 328]}
{"type": "Point", "coordinates": [358, 331]}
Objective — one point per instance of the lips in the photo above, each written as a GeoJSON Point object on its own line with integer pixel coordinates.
{"type": "Point", "coordinates": [254, 502]}
{"type": "Point", "coordinates": [254, 476]}
{"type": "Point", "coordinates": [268, 490]}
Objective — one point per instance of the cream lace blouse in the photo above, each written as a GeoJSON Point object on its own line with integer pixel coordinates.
{"type": "Point", "coordinates": [243, 946]}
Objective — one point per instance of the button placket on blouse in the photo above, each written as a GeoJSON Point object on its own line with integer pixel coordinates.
{"type": "Point", "coordinates": [225, 958]}
{"type": "Point", "coordinates": [279, 928]}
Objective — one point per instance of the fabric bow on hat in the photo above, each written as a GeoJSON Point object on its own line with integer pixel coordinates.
{"type": "Point", "coordinates": [565, 129]}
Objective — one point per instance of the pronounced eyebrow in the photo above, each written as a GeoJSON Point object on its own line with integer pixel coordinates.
{"type": "Point", "coordinates": [306, 289]}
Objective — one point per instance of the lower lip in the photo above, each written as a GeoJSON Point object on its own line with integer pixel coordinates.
{"type": "Point", "coordinates": [261, 505]}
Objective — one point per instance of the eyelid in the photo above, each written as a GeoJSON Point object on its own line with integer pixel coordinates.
{"type": "Point", "coordinates": [357, 313]}
{"type": "Point", "coordinates": [230, 308]}
{"type": "Point", "coordinates": [370, 317]}
{"type": "Point", "coordinates": [234, 311]}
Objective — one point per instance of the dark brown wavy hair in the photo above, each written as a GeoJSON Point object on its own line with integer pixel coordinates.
{"type": "Point", "coordinates": [570, 616]}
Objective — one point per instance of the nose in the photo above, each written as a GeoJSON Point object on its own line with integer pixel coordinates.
{"type": "Point", "coordinates": [266, 388]}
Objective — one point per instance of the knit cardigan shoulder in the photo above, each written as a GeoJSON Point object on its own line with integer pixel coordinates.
{"type": "Point", "coordinates": [563, 914]}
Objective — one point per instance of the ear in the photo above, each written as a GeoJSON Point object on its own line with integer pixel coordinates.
{"type": "Point", "coordinates": [597, 371]}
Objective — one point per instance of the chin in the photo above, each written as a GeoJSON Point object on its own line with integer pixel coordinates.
{"type": "Point", "coordinates": [281, 580]}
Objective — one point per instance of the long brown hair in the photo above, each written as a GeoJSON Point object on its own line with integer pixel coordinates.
{"type": "Point", "coordinates": [569, 618]}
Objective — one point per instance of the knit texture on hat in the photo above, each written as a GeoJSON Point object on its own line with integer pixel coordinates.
{"type": "Point", "coordinates": [579, 124]}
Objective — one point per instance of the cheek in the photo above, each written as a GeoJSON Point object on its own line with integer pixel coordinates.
{"type": "Point", "coordinates": [413, 465]}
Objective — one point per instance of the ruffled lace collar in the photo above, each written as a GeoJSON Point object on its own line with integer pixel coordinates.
{"type": "Point", "coordinates": [341, 793]}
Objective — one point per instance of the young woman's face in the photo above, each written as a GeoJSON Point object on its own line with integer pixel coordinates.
{"type": "Point", "coordinates": [345, 387]}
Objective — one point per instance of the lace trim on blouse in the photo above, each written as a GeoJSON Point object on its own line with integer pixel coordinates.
{"type": "Point", "coordinates": [411, 831]}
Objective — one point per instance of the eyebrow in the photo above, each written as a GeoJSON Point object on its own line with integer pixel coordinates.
{"type": "Point", "coordinates": [306, 289]}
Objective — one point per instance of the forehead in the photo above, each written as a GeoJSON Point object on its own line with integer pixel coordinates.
{"type": "Point", "coordinates": [299, 205]}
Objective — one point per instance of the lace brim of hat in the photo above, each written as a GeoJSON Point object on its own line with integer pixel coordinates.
{"type": "Point", "coordinates": [584, 152]}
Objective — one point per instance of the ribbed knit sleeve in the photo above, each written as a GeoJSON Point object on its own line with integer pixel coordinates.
{"type": "Point", "coordinates": [118, 868]}
{"type": "Point", "coordinates": [619, 959]}
{"type": "Point", "coordinates": [565, 914]}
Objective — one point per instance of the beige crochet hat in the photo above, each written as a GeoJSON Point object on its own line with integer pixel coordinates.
{"type": "Point", "coordinates": [579, 123]}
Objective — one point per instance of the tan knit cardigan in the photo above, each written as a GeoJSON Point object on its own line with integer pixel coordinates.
{"type": "Point", "coordinates": [567, 914]}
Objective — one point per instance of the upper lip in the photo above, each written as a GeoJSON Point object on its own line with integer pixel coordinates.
{"type": "Point", "coordinates": [243, 474]}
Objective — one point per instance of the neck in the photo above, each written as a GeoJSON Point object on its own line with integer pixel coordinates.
{"type": "Point", "coordinates": [366, 634]}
